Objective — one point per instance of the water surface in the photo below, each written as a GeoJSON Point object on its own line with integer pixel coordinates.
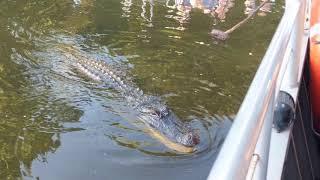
{"type": "Point", "coordinates": [56, 123]}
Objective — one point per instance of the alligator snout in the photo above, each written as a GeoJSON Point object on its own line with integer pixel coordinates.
{"type": "Point", "coordinates": [191, 139]}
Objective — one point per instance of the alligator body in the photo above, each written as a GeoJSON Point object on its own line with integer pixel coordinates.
{"type": "Point", "coordinates": [160, 120]}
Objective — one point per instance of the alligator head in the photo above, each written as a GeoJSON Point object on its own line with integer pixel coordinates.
{"type": "Point", "coordinates": [167, 126]}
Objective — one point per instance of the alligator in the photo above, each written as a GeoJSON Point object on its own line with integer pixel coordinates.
{"type": "Point", "coordinates": [161, 121]}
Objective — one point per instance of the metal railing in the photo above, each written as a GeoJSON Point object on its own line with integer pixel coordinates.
{"type": "Point", "coordinates": [245, 152]}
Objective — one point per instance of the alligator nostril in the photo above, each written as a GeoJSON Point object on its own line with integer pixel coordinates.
{"type": "Point", "coordinates": [158, 113]}
{"type": "Point", "coordinates": [191, 139]}
{"type": "Point", "coordinates": [196, 139]}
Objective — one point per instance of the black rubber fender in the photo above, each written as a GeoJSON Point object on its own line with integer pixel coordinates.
{"type": "Point", "coordinates": [284, 112]}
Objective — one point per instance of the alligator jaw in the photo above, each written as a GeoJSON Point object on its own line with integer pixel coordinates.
{"type": "Point", "coordinates": [167, 127]}
{"type": "Point", "coordinates": [170, 144]}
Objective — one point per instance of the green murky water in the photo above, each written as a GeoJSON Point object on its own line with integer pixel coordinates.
{"type": "Point", "coordinates": [58, 124]}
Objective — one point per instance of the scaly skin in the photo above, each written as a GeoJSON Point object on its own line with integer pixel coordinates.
{"type": "Point", "coordinates": [161, 121]}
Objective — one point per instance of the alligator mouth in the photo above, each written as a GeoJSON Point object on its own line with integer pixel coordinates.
{"type": "Point", "coordinates": [174, 134]}
{"type": "Point", "coordinates": [171, 144]}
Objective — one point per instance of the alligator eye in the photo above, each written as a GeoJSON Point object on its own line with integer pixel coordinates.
{"type": "Point", "coordinates": [157, 113]}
